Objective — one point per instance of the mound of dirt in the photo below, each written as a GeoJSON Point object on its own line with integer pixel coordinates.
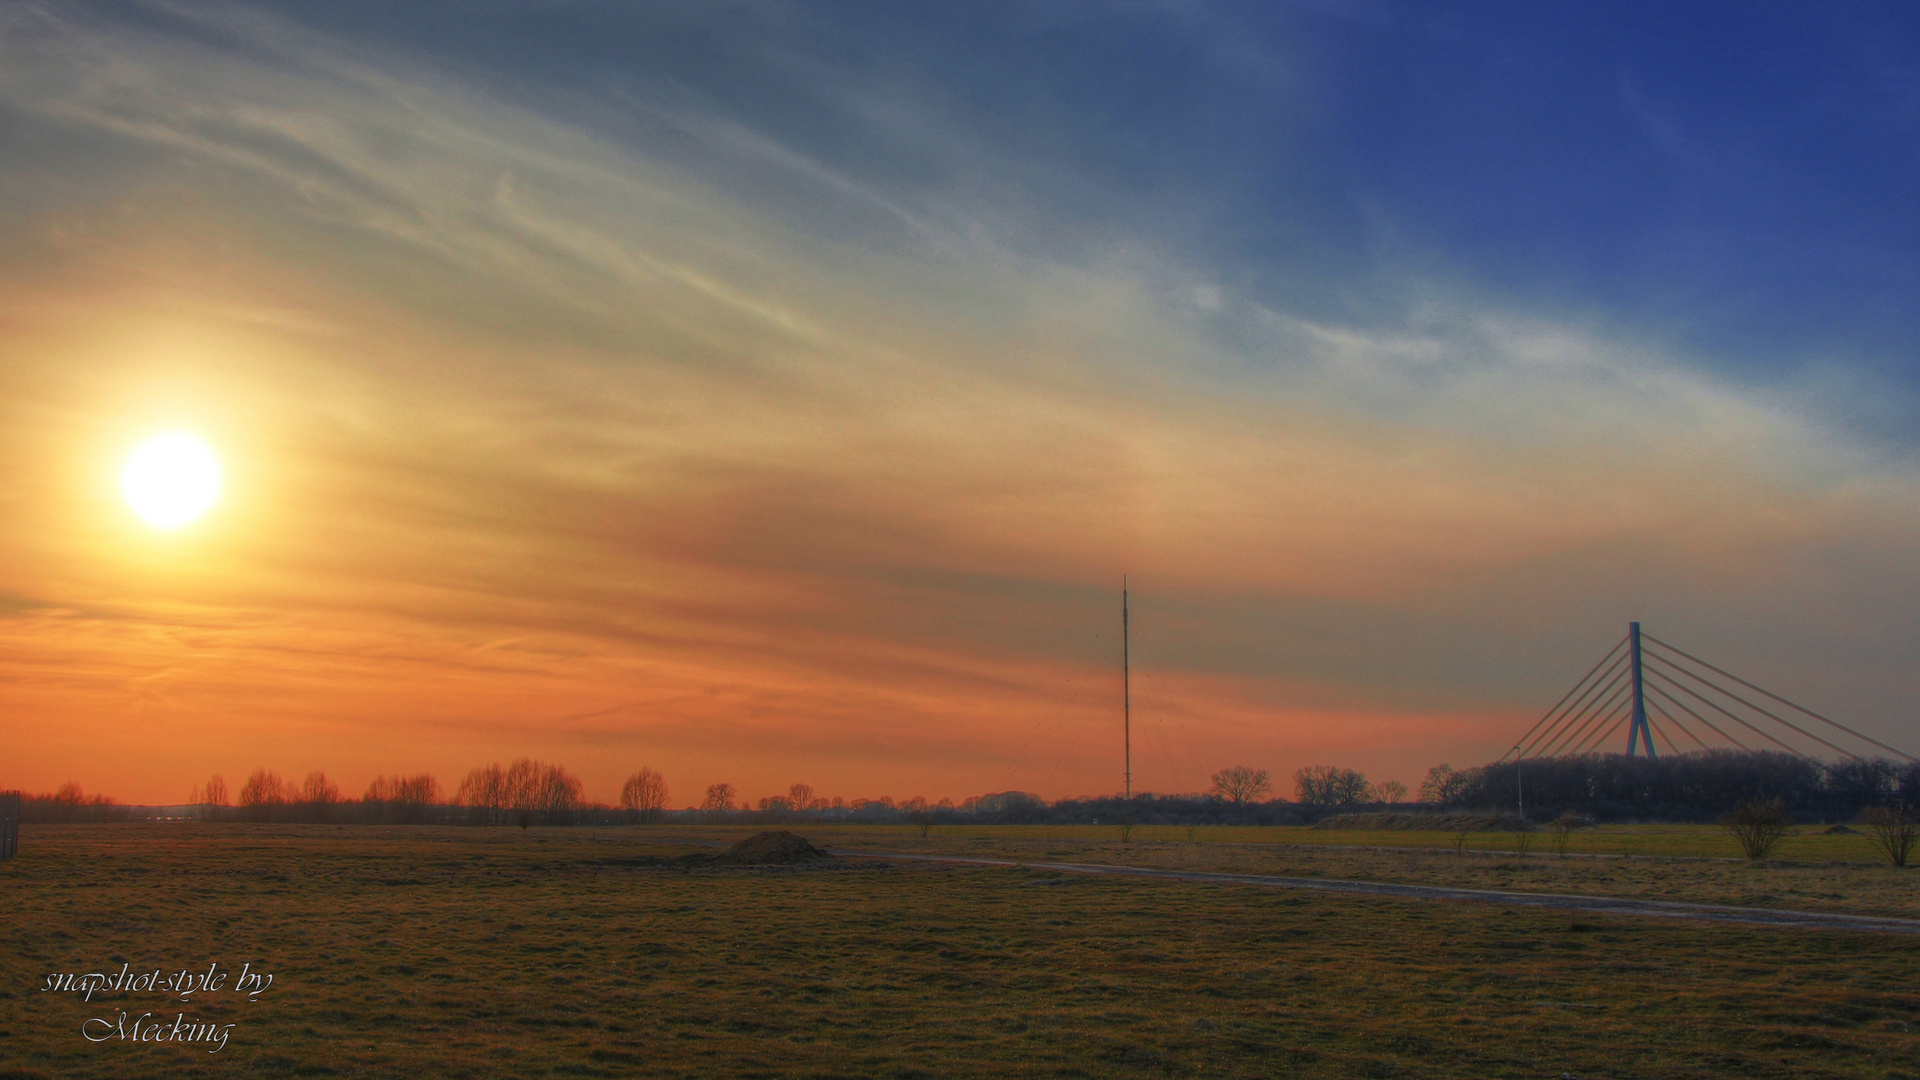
{"type": "Point", "coordinates": [1841, 830]}
{"type": "Point", "coordinates": [771, 849]}
{"type": "Point", "coordinates": [1428, 822]}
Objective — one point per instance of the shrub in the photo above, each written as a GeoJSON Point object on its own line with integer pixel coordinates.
{"type": "Point", "coordinates": [1563, 827]}
{"type": "Point", "coordinates": [1894, 829]}
{"type": "Point", "coordinates": [1758, 826]}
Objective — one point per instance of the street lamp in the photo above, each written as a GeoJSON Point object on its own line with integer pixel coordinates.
{"type": "Point", "coordinates": [1519, 783]}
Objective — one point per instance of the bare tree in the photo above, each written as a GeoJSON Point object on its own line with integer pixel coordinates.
{"type": "Point", "coordinates": [1390, 792]}
{"type": "Point", "coordinates": [644, 795]}
{"type": "Point", "coordinates": [1330, 785]}
{"type": "Point", "coordinates": [402, 799]}
{"type": "Point", "coordinates": [526, 793]}
{"type": "Point", "coordinates": [318, 796]}
{"type": "Point", "coordinates": [420, 789]}
{"type": "Point", "coordinates": [919, 813]}
{"type": "Point", "coordinates": [1758, 827]}
{"type": "Point", "coordinates": [262, 795]}
{"type": "Point", "coordinates": [562, 795]}
{"type": "Point", "coordinates": [719, 797]}
{"type": "Point", "coordinates": [63, 806]}
{"type": "Point", "coordinates": [68, 804]}
{"type": "Point", "coordinates": [524, 797]}
{"type": "Point", "coordinates": [1894, 829]}
{"type": "Point", "coordinates": [1241, 785]}
{"type": "Point", "coordinates": [484, 793]}
{"type": "Point", "coordinates": [210, 796]}
{"type": "Point", "coordinates": [540, 793]}
{"type": "Point", "coordinates": [1442, 784]}
{"type": "Point", "coordinates": [318, 789]}
{"type": "Point", "coordinates": [800, 796]}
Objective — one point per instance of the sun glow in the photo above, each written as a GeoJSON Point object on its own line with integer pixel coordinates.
{"type": "Point", "coordinates": [172, 479]}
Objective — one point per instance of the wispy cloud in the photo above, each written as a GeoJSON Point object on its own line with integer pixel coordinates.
{"type": "Point", "coordinates": [561, 441]}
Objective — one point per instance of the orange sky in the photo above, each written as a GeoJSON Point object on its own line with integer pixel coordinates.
{"type": "Point", "coordinates": [539, 446]}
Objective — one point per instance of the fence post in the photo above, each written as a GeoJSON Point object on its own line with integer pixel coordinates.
{"type": "Point", "coordinates": [9, 824]}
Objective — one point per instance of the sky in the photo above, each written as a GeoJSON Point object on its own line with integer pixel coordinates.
{"type": "Point", "coordinates": [767, 392]}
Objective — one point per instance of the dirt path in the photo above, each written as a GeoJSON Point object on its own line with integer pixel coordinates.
{"type": "Point", "coordinates": [1602, 905]}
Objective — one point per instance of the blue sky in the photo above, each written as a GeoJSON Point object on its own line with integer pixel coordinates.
{"type": "Point", "coordinates": [1733, 179]}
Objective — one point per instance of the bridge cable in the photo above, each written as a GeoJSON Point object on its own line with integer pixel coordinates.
{"type": "Point", "coordinates": [1722, 710]}
{"type": "Point", "coordinates": [1653, 727]}
{"type": "Point", "coordinates": [1571, 708]}
{"type": "Point", "coordinates": [1582, 706]}
{"type": "Point", "coordinates": [1577, 711]}
{"type": "Point", "coordinates": [1716, 730]}
{"type": "Point", "coordinates": [1570, 693]}
{"type": "Point", "coordinates": [1669, 718]}
{"type": "Point", "coordinates": [1603, 736]}
{"type": "Point", "coordinates": [1604, 731]}
{"type": "Point", "coordinates": [1728, 693]}
{"type": "Point", "coordinates": [1608, 695]}
{"type": "Point", "coordinates": [1781, 700]}
{"type": "Point", "coordinates": [1600, 711]}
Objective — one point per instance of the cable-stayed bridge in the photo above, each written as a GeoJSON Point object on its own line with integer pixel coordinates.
{"type": "Point", "coordinates": [1642, 677]}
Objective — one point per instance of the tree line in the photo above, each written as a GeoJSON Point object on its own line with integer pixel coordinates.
{"type": "Point", "coordinates": [69, 804]}
{"type": "Point", "coordinates": [528, 792]}
{"type": "Point", "coordinates": [1699, 786]}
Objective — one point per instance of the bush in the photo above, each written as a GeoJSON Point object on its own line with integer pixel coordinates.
{"type": "Point", "coordinates": [1758, 826]}
{"type": "Point", "coordinates": [1894, 830]}
{"type": "Point", "coordinates": [1563, 827]}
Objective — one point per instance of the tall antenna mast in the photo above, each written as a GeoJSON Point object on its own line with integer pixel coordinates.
{"type": "Point", "coordinates": [1126, 683]}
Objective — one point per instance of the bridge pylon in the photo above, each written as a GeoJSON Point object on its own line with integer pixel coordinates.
{"type": "Point", "coordinates": [1638, 728]}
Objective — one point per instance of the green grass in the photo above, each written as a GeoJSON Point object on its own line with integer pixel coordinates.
{"type": "Point", "coordinates": [466, 952]}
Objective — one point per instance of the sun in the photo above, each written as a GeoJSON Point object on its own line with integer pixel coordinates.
{"type": "Point", "coordinates": [172, 479]}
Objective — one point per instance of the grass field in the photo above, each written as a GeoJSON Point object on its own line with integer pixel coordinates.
{"type": "Point", "coordinates": [1817, 872]}
{"type": "Point", "coordinates": [468, 952]}
{"type": "Point", "coordinates": [1810, 844]}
